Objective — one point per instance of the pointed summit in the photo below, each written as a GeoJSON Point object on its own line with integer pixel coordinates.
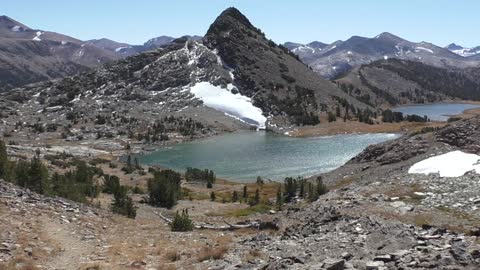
{"type": "Point", "coordinates": [454, 47]}
{"type": "Point", "coordinates": [389, 37]}
{"type": "Point", "coordinates": [229, 20]}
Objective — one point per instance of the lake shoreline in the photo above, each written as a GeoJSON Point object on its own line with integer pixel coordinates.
{"type": "Point", "coordinates": [355, 127]}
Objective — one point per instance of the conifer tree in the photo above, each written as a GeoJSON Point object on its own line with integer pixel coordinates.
{"type": "Point", "coordinates": [279, 198]}
{"type": "Point", "coordinates": [5, 168]}
{"type": "Point", "coordinates": [38, 176]}
{"type": "Point", "coordinates": [213, 197]}
{"type": "Point", "coordinates": [234, 196]}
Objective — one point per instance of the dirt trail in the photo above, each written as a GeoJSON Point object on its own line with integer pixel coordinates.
{"type": "Point", "coordinates": [74, 251]}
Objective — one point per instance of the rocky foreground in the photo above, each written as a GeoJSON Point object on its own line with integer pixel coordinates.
{"type": "Point", "coordinates": [332, 233]}
{"type": "Point", "coordinates": [376, 216]}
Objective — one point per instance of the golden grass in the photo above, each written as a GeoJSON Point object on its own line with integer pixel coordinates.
{"type": "Point", "coordinates": [340, 127]}
{"type": "Point", "coordinates": [342, 183]}
{"type": "Point", "coordinates": [173, 255]}
{"type": "Point", "coordinates": [212, 253]}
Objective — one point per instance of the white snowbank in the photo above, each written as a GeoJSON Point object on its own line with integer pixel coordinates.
{"type": "Point", "coordinates": [120, 48]}
{"type": "Point", "coordinates": [37, 37]}
{"type": "Point", "coordinates": [16, 28]}
{"type": "Point", "coordinates": [423, 49]}
{"type": "Point", "coordinates": [234, 105]}
{"type": "Point", "coordinates": [452, 164]}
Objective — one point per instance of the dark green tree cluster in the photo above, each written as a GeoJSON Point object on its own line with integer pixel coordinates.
{"type": "Point", "coordinates": [300, 108]}
{"type": "Point", "coordinates": [111, 184]}
{"type": "Point", "coordinates": [416, 118]}
{"type": "Point", "coordinates": [457, 84]}
{"type": "Point", "coordinates": [181, 222]}
{"type": "Point", "coordinates": [122, 203]}
{"type": "Point", "coordinates": [302, 188]}
{"type": "Point", "coordinates": [75, 184]}
{"type": "Point", "coordinates": [164, 188]}
{"type": "Point", "coordinates": [206, 175]}
{"type": "Point", "coordinates": [6, 167]}
{"type": "Point", "coordinates": [315, 190]}
{"type": "Point", "coordinates": [390, 116]}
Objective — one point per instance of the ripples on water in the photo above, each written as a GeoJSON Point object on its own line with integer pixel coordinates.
{"type": "Point", "coordinates": [246, 155]}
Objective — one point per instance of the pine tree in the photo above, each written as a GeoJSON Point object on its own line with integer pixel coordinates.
{"type": "Point", "coordinates": [164, 188]}
{"type": "Point", "coordinates": [38, 176]}
{"type": "Point", "coordinates": [21, 172]}
{"type": "Point", "coordinates": [259, 181]}
{"type": "Point", "coordinates": [302, 189]}
{"type": "Point", "coordinates": [213, 196]}
{"type": "Point", "coordinates": [5, 168]}
{"type": "Point", "coordinates": [234, 196]}
{"type": "Point", "coordinates": [257, 197]}
{"type": "Point", "coordinates": [321, 187]}
{"type": "Point", "coordinates": [279, 198]}
{"type": "Point", "coordinates": [245, 192]}
{"type": "Point", "coordinates": [181, 222]}
{"type": "Point", "coordinates": [123, 204]}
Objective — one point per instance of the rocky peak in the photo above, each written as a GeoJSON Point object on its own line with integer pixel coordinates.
{"type": "Point", "coordinates": [454, 47]}
{"type": "Point", "coordinates": [317, 45]}
{"type": "Point", "coordinates": [228, 20]}
{"type": "Point", "coordinates": [389, 37]}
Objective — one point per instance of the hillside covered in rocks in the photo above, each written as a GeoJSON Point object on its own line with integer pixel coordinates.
{"type": "Point", "coordinates": [233, 78]}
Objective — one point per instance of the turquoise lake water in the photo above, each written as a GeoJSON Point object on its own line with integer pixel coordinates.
{"type": "Point", "coordinates": [244, 156]}
{"type": "Point", "coordinates": [436, 112]}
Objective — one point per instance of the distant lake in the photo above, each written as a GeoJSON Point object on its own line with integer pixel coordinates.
{"type": "Point", "coordinates": [436, 112]}
{"type": "Point", "coordinates": [245, 155]}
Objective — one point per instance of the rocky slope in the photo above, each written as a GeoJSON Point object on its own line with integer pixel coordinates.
{"type": "Point", "coordinates": [28, 55]}
{"type": "Point", "coordinates": [466, 52]}
{"type": "Point", "coordinates": [393, 81]}
{"type": "Point", "coordinates": [234, 73]}
{"type": "Point", "coordinates": [278, 82]}
{"type": "Point", "coordinates": [341, 56]}
{"type": "Point", "coordinates": [126, 50]}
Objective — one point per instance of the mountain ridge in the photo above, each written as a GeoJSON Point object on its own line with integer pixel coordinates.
{"type": "Point", "coordinates": [341, 56]}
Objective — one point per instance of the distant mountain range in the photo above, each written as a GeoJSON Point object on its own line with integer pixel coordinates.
{"type": "Point", "coordinates": [30, 55]}
{"type": "Point", "coordinates": [331, 60]}
{"type": "Point", "coordinates": [233, 70]}
{"type": "Point", "coordinates": [465, 52]}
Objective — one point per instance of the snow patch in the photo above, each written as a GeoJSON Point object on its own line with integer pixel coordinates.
{"type": "Point", "coordinates": [37, 37]}
{"type": "Point", "coordinates": [16, 28]}
{"type": "Point", "coordinates": [465, 52]}
{"type": "Point", "coordinates": [417, 49]}
{"type": "Point", "coordinates": [120, 48]}
{"type": "Point", "coordinates": [452, 164]}
{"type": "Point", "coordinates": [234, 105]}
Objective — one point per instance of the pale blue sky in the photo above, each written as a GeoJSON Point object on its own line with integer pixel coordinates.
{"type": "Point", "coordinates": [437, 21]}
